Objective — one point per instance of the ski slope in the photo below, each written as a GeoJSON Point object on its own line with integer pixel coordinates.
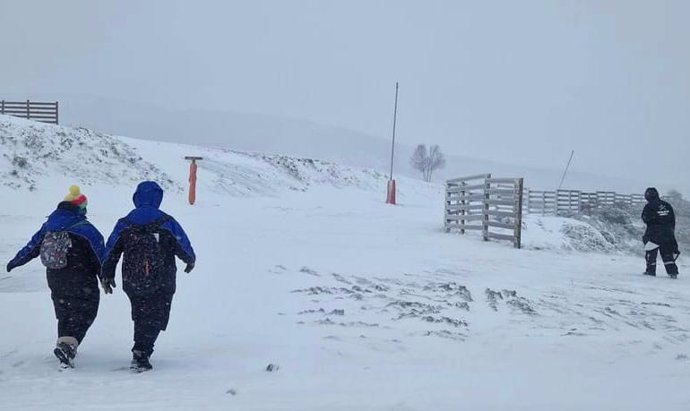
{"type": "Point", "coordinates": [358, 305]}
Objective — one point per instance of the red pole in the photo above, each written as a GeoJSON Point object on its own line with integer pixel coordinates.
{"type": "Point", "coordinates": [390, 195]}
{"type": "Point", "coordinates": [192, 178]}
{"type": "Point", "coordinates": [192, 182]}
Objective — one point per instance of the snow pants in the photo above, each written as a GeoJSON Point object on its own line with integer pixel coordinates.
{"type": "Point", "coordinates": [667, 256]}
{"type": "Point", "coordinates": [150, 314]}
{"type": "Point", "coordinates": [75, 299]}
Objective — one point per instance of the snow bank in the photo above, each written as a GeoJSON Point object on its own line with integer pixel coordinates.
{"type": "Point", "coordinates": [30, 152]}
{"type": "Point", "coordinates": [599, 233]}
{"type": "Point", "coordinates": [560, 233]}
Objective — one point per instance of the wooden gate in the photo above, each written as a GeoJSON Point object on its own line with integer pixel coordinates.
{"type": "Point", "coordinates": [490, 205]}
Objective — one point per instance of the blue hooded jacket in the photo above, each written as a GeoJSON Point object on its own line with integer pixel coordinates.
{"type": "Point", "coordinates": [65, 218]}
{"type": "Point", "coordinates": [147, 199]}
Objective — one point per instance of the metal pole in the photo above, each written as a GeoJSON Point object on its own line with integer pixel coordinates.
{"type": "Point", "coordinates": [395, 115]}
{"type": "Point", "coordinates": [566, 169]}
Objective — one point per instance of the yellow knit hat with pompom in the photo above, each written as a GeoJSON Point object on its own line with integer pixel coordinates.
{"type": "Point", "coordinates": [74, 192]}
{"type": "Point", "coordinates": [75, 196]}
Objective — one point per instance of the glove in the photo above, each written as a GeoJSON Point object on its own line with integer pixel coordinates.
{"type": "Point", "coordinates": [189, 268]}
{"type": "Point", "coordinates": [108, 284]}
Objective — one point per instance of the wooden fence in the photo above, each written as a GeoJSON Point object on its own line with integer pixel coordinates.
{"type": "Point", "coordinates": [45, 112]}
{"type": "Point", "coordinates": [577, 202]}
{"type": "Point", "coordinates": [491, 205]}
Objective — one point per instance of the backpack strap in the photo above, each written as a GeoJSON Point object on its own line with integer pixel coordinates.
{"type": "Point", "coordinates": [77, 224]}
{"type": "Point", "coordinates": [155, 223]}
{"type": "Point", "coordinates": [164, 219]}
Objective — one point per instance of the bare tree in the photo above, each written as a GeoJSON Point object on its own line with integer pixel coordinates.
{"type": "Point", "coordinates": [427, 162]}
{"type": "Point", "coordinates": [436, 160]}
{"type": "Point", "coordinates": [418, 159]}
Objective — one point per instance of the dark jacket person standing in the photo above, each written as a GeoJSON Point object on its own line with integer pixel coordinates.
{"type": "Point", "coordinates": [659, 238]}
{"type": "Point", "coordinates": [150, 240]}
{"type": "Point", "coordinates": [71, 249]}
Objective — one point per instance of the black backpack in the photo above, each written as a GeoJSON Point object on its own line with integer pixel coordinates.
{"type": "Point", "coordinates": [143, 268]}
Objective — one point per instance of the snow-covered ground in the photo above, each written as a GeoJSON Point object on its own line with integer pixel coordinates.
{"type": "Point", "coordinates": [360, 305]}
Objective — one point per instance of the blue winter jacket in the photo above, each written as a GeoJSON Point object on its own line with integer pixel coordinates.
{"type": "Point", "coordinates": [147, 198]}
{"type": "Point", "coordinates": [65, 218]}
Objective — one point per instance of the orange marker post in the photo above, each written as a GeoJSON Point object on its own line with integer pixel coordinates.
{"type": "Point", "coordinates": [390, 192]}
{"type": "Point", "coordinates": [192, 178]}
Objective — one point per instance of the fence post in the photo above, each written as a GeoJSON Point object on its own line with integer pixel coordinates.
{"type": "Point", "coordinates": [2, 107]}
{"type": "Point", "coordinates": [56, 113]}
{"type": "Point", "coordinates": [485, 208]}
{"type": "Point", "coordinates": [445, 210]}
{"type": "Point", "coordinates": [28, 112]}
{"type": "Point", "coordinates": [518, 214]}
{"type": "Point", "coordinates": [463, 202]}
{"type": "Point", "coordinates": [543, 203]}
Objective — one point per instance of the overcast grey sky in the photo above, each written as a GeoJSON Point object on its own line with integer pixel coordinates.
{"type": "Point", "coordinates": [519, 81]}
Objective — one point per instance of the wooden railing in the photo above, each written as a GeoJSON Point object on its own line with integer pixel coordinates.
{"type": "Point", "coordinates": [490, 205]}
{"type": "Point", "coordinates": [46, 112]}
{"type": "Point", "coordinates": [576, 202]}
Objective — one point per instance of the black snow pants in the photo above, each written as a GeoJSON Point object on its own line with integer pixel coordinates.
{"type": "Point", "coordinates": [667, 256]}
{"type": "Point", "coordinates": [664, 237]}
{"type": "Point", "coordinates": [75, 298]}
{"type": "Point", "coordinates": [150, 314]}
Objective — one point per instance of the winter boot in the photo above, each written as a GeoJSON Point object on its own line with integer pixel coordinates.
{"type": "Point", "coordinates": [140, 362]}
{"type": "Point", "coordinates": [671, 269]}
{"type": "Point", "coordinates": [65, 351]}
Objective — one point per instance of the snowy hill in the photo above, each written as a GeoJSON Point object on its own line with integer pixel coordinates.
{"type": "Point", "coordinates": [31, 152]}
{"type": "Point", "coordinates": [360, 305]}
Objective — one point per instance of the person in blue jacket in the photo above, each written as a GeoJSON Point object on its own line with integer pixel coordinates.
{"type": "Point", "coordinates": [150, 240]}
{"type": "Point", "coordinates": [72, 249]}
